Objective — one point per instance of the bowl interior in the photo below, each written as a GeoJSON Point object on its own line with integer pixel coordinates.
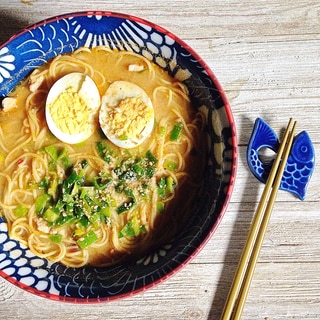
{"type": "Point", "coordinates": [43, 41]}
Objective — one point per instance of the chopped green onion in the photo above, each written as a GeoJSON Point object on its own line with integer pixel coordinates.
{"type": "Point", "coordinates": [100, 147]}
{"type": "Point", "coordinates": [52, 151]}
{"type": "Point", "coordinates": [125, 206]}
{"type": "Point", "coordinates": [87, 240]}
{"type": "Point", "coordinates": [84, 221]}
{"type": "Point", "coordinates": [105, 152]}
{"type": "Point", "coordinates": [120, 187]}
{"type": "Point", "coordinates": [51, 215]}
{"type": "Point", "coordinates": [162, 131]}
{"type": "Point", "coordinates": [165, 186]}
{"type": "Point", "coordinates": [71, 180]}
{"type": "Point", "coordinates": [127, 230]}
{"type": "Point", "coordinates": [20, 211]}
{"type": "Point", "coordinates": [94, 218]}
{"type": "Point", "coordinates": [52, 190]}
{"type": "Point", "coordinates": [106, 211]}
{"type": "Point", "coordinates": [80, 200]}
{"type": "Point", "coordinates": [60, 204]}
{"type": "Point", "coordinates": [84, 164]}
{"type": "Point", "coordinates": [63, 153]}
{"type": "Point", "coordinates": [176, 131]}
{"type": "Point", "coordinates": [129, 193]}
{"type": "Point", "coordinates": [58, 157]}
{"type": "Point", "coordinates": [41, 202]}
{"type": "Point", "coordinates": [64, 220]}
{"type": "Point", "coordinates": [112, 202]}
{"type": "Point", "coordinates": [65, 162]}
{"type": "Point", "coordinates": [78, 232]}
{"type": "Point", "coordinates": [128, 204]}
{"type": "Point", "coordinates": [132, 229]}
{"type": "Point", "coordinates": [169, 184]}
{"type": "Point", "coordinates": [69, 206]}
{"type": "Point", "coordinates": [162, 188]}
{"type": "Point", "coordinates": [138, 169]}
{"type": "Point", "coordinates": [150, 171]}
{"type": "Point", "coordinates": [151, 157]}
{"type": "Point", "coordinates": [160, 206]}
{"type": "Point", "coordinates": [170, 165]}
{"type": "Point", "coordinates": [56, 238]}
{"type": "Point", "coordinates": [87, 191]}
{"type": "Point", "coordinates": [143, 229]}
{"type": "Point", "coordinates": [43, 184]}
{"type": "Point", "coordinates": [101, 183]}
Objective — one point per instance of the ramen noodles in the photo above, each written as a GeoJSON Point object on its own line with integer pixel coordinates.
{"type": "Point", "coordinates": [93, 202]}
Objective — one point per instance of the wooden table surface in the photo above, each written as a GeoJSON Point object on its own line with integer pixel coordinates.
{"type": "Point", "coordinates": [266, 55]}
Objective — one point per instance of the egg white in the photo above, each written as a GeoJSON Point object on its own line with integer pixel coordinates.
{"type": "Point", "coordinates": [89, 93]}
{"type": "Point", "coordinates": [116, 92]}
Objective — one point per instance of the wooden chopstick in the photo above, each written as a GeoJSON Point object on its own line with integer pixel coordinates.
{"type": "Point", "coordinates": [241, 283]}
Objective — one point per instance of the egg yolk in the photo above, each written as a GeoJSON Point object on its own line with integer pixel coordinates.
{"type": "Point", "coordinates": [69, 112]}
{"type": "Point", "coordinates": [129, 118]}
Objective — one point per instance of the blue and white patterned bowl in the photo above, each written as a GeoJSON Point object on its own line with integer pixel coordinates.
{"type": "Point", "coordinates": [46, 39]}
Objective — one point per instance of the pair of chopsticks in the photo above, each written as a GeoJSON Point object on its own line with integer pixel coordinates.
{"type": "Point", "coordinates": [241, 283]}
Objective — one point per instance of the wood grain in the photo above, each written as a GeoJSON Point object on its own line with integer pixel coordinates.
{"type": "Point", "coordinates": [266, 55]}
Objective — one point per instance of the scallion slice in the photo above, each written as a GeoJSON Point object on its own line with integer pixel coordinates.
{"type": "Point", "coordinates": [176, 131]}
{"type": "Point", "coordinates": [87, 240]}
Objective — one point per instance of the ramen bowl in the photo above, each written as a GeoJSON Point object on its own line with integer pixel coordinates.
{"type": "Point", "coordinates": [43, 41]}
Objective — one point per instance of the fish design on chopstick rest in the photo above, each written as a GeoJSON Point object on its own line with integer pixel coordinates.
{"type": "Point", "coordinates": [300, 163]}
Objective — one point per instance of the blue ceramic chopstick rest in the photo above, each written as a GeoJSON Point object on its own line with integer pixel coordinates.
{"type": "Point", "coordinates": [300, 164]}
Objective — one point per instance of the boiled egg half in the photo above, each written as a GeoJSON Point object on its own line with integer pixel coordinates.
{"type": "Point", "coordinates": [72, 107]}
{"type": "Point", "coordinates": [126, 115]}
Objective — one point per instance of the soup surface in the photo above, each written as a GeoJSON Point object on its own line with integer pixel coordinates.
{"type": "Point", "coordinates": [93, 202]}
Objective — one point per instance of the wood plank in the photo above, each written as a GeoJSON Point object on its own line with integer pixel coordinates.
{"type": "Point", "coordinates": [292, 235]}
{"type": "Point", "coordinates": [279, 291]}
